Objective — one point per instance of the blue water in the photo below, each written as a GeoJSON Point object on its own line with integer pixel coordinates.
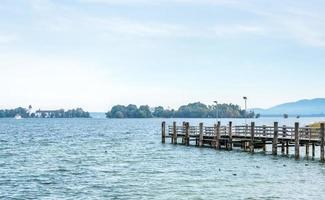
{"type": "Point", "coordinates": [124, 159]}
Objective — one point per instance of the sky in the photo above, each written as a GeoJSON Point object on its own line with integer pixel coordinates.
{"type": "Point", "coordinates": [97, 53]}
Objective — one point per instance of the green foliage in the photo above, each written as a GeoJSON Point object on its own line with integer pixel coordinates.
{"type": "Point", "coordinates": [24, 113]}
{"type": "Point", "coordinates": [192, 110]}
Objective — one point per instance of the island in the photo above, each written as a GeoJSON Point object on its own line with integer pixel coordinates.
{"type": "Point", "coordinates": [28, 113]}
{"type": "Point", "coordinates": [192, 110]}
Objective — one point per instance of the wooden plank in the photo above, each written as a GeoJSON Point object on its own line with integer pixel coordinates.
{"type": "Point", "coordinates": [275, 139]}
{"type": "Point", "coordinates": [163, 132]}
{"type": "Point", "coordinates": [297, 145]}
{"type": "Point", "coordinates": [201, 135]}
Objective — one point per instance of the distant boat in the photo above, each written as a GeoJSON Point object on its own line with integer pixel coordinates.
{"type": "Point", "coordinates": [18, 117]}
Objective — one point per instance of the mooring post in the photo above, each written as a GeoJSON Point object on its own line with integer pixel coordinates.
{"type": "Point", "coordinates": [201, 135]}
{"type": "Point", "coordinates": [297, 147]}
{"type": "Point", "coordinates": [287, 147]}
{"type": "Point", "coordinates": [284, 134]}
{"type": "Point", "coordinates": [163, 132]}
{"type": "Point", "coordinates": [275, 139]}
{"type": "Point", "coordinates": [308, 132]}
{"type": "Point", "coordinates": [183, 132]}
{"type": "Point", "coordinates": [322, 136]}
{"type": "Point", "coordinates": [251, 145]}
{"type": "Point", "coordinates": [187, 133]}
{"type": "Point", "coordinates": [264, 140]}
{"type": "Point", "coordinates": [174, 133]}
{"type": "Point", "coordinates": [230, 136]}
{"type": "Point", "coordinates": [216, 136]}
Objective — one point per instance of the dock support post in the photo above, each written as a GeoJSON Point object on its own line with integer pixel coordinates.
{"type": "Point", "coordinates": [251, 146]}
{"type": "Point", "coordinates": [275, 139]}
{"type": "Point", "coordinates": [174, 133]}
{"type": "Point", "coordinates": [307, 150]}
{"type": "Point", "coordinates": [313, 150]}
{"type": "Point", "coordinates": [322, 136]}
{"type": "Point", "coordinates": [230, 136]}
{"type": "Point", "coordinates": [201, 135]}
{"type": "Point", "coordinates": [264, 140]}
{"type": "Point", "coordinates": [183, 132]}
{"type": "Point", "coordinates": [163, 132]}
{"type": "Point", "coordinates": [217, 135]}
{"type": "Point", "coordinates": [187, 133]}
{"type": "Point", "coordinates": [284, 135]}
{"type": "Point", "coordinates": [297, 145]}
{"type": "Point", "coordinates": [287, 147]}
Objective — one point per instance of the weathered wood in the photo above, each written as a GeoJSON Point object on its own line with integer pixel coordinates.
{"type": "Point", "coordinates": [183, 132]}
{"type": "Point", "coordinates": [163, 132]}
{"type": "Point", "coordinates": [217, 135]}
{"type": "Point", "coordinates": [322, 137]}
{"type": "Point", "coordinates": [201, 135]}
{"type": "Point", "coordinates": [275, 139]}
{"type": "Point", "coordinates": [284, 135]}
{"type": "Point", "coordinates": [287, 148]}
{"type": "Point", "coordinates": [187, 133]}
{"type": "Point", "coordinates": [230, 136]}
{"type": "Point", "coordinates": [307, 150]}
{"type": "Point", "coordinates": [174, 140]}
{"type": "Point", "coordinates": [297, 143]}
{"type": "Point", "coordinates": [313, 150]}
{"type": "Point", "coordinates": [251, 145]}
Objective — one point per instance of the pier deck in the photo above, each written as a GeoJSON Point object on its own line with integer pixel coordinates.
{"type": "Point", "coordinates": [249, 137]}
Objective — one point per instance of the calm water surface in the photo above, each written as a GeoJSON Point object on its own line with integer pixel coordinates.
{"type": "Point", "coordinates": [124, 159]}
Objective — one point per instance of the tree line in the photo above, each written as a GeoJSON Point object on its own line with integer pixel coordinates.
{"type": "Point", "coordinates": [192, 110]}
{"type": "Point", "coordinates": [26, 113]}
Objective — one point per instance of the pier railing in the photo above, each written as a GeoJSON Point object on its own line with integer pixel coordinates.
{"type": "Point", "coordinates": [250, 136]}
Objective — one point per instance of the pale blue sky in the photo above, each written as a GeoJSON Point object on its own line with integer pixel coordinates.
{"type": "Point", "coordinates": [97, 53]}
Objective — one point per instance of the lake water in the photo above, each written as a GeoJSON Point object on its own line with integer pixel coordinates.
{"type": "Point", "coordinates": [124, 159]}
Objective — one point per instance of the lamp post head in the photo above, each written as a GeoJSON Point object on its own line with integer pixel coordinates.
{"type": "Point", "coordinates": [245, 98]}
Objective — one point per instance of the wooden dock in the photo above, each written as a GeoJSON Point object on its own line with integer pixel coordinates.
{"type": "Point", "coordinates": [249, 137]}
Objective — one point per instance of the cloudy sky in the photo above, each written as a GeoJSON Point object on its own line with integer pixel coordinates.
{"type": "Point", "coordinates": [97, 53]}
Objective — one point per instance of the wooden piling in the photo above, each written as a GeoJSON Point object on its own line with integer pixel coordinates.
{"type": "Point", "coordinates": [201, 135]}
{"type": "Point", "coordinates": [284, 135]}
{"type": "Point", "coordinates": [163, 132]}
{"type": "Point", "coordinates": [251, 144]}
{"type": "Point", "coordinates": [322, 136]}
{"type": "Point", "coordinates": [275, 139]}
{"type": "Point", "coordinates": [287, 148]}
{"type": "Point", "coordinates": [187, 133]}
{"type": "Point", "coordinates": [230, 136]}
{"type": "Point", "coordinates": [217, 135]}
{"type": "Point", "coordinates": [174, 140]}
{"type": "Point", "coordinates": [313, 150]}
{"type": "Point", "coordinates": [297, 144]}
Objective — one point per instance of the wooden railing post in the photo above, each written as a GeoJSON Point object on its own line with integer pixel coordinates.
{"type": "Point", "coordinates": [174, 133]}
{"type": "Point", "coordinates": [230, 136]}
{"type": "Point", "coordinates": [284, 135]}
{"type": "Point", "coordinates": [201, 135]}
{"type": "Point", "coordinates": [275, 139]}
{"type": "Point", "coordinates": [187, 133]}
{"type": "Point", "coordinates": [297, 143]}
{"type": "Point", "coordinates": [264, 140]}
{"type": "Point", "coordinates": [252, 137]}
{"type": "Point", "coordinates": [163, 132]}
{"type": "Point", "coordinates": [322, 136]}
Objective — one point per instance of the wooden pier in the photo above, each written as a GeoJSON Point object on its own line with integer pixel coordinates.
{"type": "Point", "coordinates": [249, 137]}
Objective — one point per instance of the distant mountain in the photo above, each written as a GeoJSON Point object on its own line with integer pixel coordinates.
{"type": "Point", "coordinates": [306, 107]}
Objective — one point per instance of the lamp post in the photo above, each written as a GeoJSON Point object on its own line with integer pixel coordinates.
{"type": "Point", "coordinates": [217, 112]}
{"type": "Point", "coordinates": [245, 114]}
